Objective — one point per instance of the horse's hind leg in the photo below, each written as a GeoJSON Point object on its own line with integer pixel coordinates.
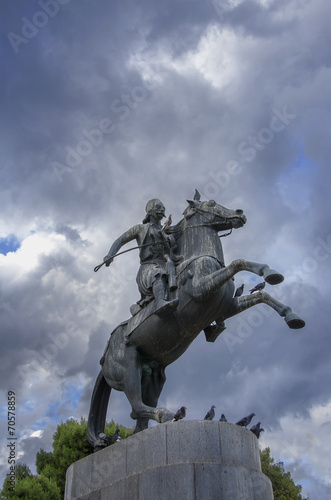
{"type": "Point", "coordinates": [242, 303]}
{"type": "Point", "coordinates": [124, 370]}
{"type": "Point", "coordinates": [131, 385]}
{"type": "Point", "coordinates": [152, 383]}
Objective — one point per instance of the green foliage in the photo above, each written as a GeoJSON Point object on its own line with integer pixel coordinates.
{"type": "Point", "coordinates": [22, 471]}
{"type": "Point", "coordinates": [282, 483]}
{"type": "Point", "coordinates": [29, 487]}
{"type": "Point", "coordinates": [43, 459]}
{"type": "Point", "coordinates": [111, 427]}
{"type": "Point", "coordinates": [69, 445]}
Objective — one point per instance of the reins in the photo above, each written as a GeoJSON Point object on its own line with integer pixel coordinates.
{"type": "Point", "coordinates": [210, 224]}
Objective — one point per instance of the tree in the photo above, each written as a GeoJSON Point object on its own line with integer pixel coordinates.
{"type": "Point", "coordinates": [282, 483]}
{"type": "Point", "coordinates": [29, 487]}
{"type": "Point", "coordinates": [69, 445]}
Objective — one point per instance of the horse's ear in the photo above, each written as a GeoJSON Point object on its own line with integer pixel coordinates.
{"type": "Point", "coordinates": [197, 195]}
{"type": "Point", "coordinates": [187, 212]}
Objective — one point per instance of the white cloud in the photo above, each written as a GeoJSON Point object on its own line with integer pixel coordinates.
{"type": "Point", "coordinates": [305, 441]}
{"type": "Point", "coordinates": [217, 79]}
{"type": "Point", "coordinates": [37, 434]}
{"type": "Point", "coordinates": [26, 258]}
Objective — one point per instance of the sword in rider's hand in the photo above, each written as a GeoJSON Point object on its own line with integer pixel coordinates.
{"type": "Point", "coordinates": [120, 253]}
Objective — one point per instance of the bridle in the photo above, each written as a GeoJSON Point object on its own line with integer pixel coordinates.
{"type": "Point", "coordinates": [209, 223]}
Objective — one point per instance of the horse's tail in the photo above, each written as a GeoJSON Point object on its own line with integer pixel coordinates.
{"type": "Point", "coordinates": [98, 410]}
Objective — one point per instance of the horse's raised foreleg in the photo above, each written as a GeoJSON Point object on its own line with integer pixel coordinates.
{"type": "Point", "coordinates": [210, 283]}
{"type": "Point", "coordinates": [245, 302]}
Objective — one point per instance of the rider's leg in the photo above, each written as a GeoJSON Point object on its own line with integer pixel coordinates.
{"type": "Point", "coordinates": [160, 294]}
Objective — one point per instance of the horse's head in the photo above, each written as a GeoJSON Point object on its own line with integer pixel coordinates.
{"type": "Point", "coordinates": [213, 214]}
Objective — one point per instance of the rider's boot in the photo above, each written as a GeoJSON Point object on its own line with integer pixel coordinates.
{"type": "Point", "coordinates": [163, 307]}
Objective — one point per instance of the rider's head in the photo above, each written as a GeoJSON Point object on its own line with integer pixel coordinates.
{"type": "Point", "coordinates": [154, 208]}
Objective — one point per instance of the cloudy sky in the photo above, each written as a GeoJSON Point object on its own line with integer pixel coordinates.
{"type": "Point", "coordinates": [105, 105]}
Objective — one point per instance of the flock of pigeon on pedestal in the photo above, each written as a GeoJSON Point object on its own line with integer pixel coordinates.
{"type": "Point", "coordinates": [244, 422]}
{"type": "Point", "coordinates": [181, 413]}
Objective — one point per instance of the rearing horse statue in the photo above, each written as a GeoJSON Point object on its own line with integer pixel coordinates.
{"type": "Point", "coordinates": [140, 348]}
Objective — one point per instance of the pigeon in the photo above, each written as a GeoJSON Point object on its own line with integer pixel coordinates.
{"type": "Point", "coordinates": [116, 437]}
{"type": "Point", "coordinates": [239, 291]}
{"type": "Point", "coordinates": [244, 422]}
{"type": "Point", "coordinates": [197, 195]}
{"type": "Point", "coordinates": [167, 223]}
{"type": "Point", "coordinates": [223, 419]}
{"type": "Point", "coordinates": [180, 414]}
{"type": "Point", "coordinates": [258, 287]}
{"type": "Point", "coordinates": [256, 429]}
{"type": "Point", "coordinates": [105, 439]}
{"type": "Point", "coordinates": [211, 414]}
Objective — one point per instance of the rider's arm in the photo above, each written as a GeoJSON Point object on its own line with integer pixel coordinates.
{"type": "Point", "coordinates": [129, 235]}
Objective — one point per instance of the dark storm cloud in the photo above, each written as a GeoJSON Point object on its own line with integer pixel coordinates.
{"type": "Point", "coordinates": [231, 98]}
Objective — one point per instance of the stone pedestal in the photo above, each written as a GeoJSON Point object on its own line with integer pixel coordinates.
{"type": "Point", "coordinates": [188, 460]}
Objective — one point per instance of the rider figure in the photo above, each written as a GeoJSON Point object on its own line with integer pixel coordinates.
{"type": "Point", "coordinates": [156, 266]}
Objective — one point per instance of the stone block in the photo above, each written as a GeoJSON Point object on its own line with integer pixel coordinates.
{"type": "Point", "coordinates": [147, 450]}
{"type": "Point", "coordinates": [191, 459]}
{"type": "Point", "coordinates": [239, 447]}
{"type": "Point", "coordinates": [202, 446]}
{"type": "Point", "coordinates": [169, 482]}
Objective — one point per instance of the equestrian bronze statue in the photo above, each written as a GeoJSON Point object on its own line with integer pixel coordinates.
{"type": "Point", "coordinates": [185, 288]}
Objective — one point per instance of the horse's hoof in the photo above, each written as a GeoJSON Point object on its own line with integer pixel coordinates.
{"type": "Point", "coordinates": [134, 415]}
{"type": "Point", "coordinates": [99, 445]}
{"type": "Point", "coordinates": [273, 277]}
{"type": "Point", "coordinates": [167, 418]}
{"type": "Point", "coordinates": [164, 415]}
{"type": "Point", "coordinates": [294, 321]}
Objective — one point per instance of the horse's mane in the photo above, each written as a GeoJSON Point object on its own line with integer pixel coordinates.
{"type": "Point", "coordinates": [176, 230]}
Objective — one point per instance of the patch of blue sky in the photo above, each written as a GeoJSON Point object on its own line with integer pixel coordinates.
{"type": "Point", "coordinates": [52, 410]}
{"type": "Point", "coordinates": [305, 165]}
{"type": "Point", "coordinates": [9, 244]}
{"type": "Point", "coordinates": [28, 406]}
{"type": "Point", "coordinates": [51, 415]}
{"type": "Point", "coordinates": [295, 184]}
{"type": "Point", "coordinates": [73, 394]}
{"type": "Point", "coordinates": [4, 411]}
{"type": "Point", "coordinates": [40, 423]}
